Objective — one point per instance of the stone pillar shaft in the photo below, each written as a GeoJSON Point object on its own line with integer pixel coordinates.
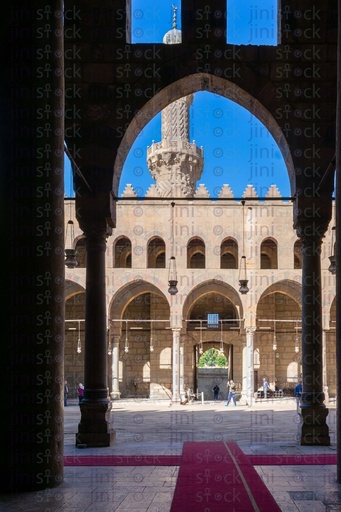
{"type": "Point", "coordinates": [315, 430]}
{"type": "Point", "coordinates": [182, 368]}
{"type": "Point", "coordinates": [95, 357]}
{"type": "Point", "coordinates": [250, 373]}
{"type": "Point", "coordinates": [33, 270]}
{"type": "Point", "coordinates": [94, 427]}
{"type": "Point", "coordinates": [115, 393]}
{"type": "Point", "coordinates": [176, 366]}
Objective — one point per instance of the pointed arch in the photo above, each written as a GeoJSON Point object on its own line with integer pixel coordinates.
{"type": "Point", "coordinates": [269, 254]}
{"type": "Point", "coordinates": [196, 253]}
{"type": "Point", "coordinates": [210, 83]}
{"type": "Point", "coordinates": [229, 253]}
{"type": "Point", "coordinates": [156, 253]}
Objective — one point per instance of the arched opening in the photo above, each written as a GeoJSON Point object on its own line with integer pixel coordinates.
{"type": "Point", "coordinates": [81, 253]}
{"type": "Point", "coordinates": [212, 373]}
{"type": "Point", "coordinates": [219, 88]}
{"type": "Point", "coordinates": [229, 254]}
{"type": "Point", "coordinates": [156, 253]}
{"type": "Point", "coordinates": [122, 253]}
{"type": "Point", "coordinates": [298, 254]}
{"type": "Point", "coordinates": [140, 324]}
{"type": "Point", "coordinates": [196, 253]}
{"type": "Point", "coordinates": [268, 254]}
{"type": "Point", "coordinates": [212, 358]}
{"type": "Point", "coordinates": [278, 333]}
{"type": "Point", "coordinates": [74, 336]}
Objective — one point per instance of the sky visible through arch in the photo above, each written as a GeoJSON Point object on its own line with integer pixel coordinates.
{"type": "Point", "coordinates": [238, 149]}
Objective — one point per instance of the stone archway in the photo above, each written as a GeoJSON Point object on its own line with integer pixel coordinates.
{"type": "Point", "coordinates": [212, 312]}
{"type": "Point", "coordinates": [140, 342]}
{"type": "Point", "coordinates": [74, 336]}
{"type": "Point", "coordinates": [190, 85]}
{"type": "Point", "coordinates": [278, 334]}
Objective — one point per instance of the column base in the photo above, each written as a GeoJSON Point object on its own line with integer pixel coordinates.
{"type": "Point", "coordinates": [94, 429]}
{"type": "Point", "coordinates": [94, 440]}
{"type": "Point", "coordinates": [115, 395]}
{"type": "Point", "coordinates": [315, 431]}
{"type": "Point", "coordinates": [243, 399]}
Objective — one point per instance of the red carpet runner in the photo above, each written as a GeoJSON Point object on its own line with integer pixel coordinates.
{"type": "Point", "coordinates": [218, 477]}
{"type": "Point", "coordinates": [175, 460]}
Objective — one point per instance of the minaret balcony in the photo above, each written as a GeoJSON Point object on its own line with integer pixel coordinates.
{"type": "Point", "coordinates": [177, 146]}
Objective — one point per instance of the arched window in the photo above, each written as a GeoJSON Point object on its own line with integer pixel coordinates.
{"type": "Point", "coordinates": [81, 253]}
{"type": "Point", "coordinates": [146, 372]}
{"type": "Point", "coordinates": [268, 254]}
{"type": "Point", "coordinates": [196, 253]}
{"type": "Point", "coordinates": [122, 253]}
{"type": "Point", "coordinates": [156, 253]}
{"type": "Point", "coordinates": [292, 372]}
{"type": "Point", "coordinates": [298, 254]}
{"type": "Point", "coordinates": [166, 358]}
{"type": "Point", "coordinates": [229, 253]}
{"type": "Point", "coordinates": [256, 358]}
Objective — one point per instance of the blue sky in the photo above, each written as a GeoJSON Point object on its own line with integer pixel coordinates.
{"type": "Point", "coordinates": [238, 150]}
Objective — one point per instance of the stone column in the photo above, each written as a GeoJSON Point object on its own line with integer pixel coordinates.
{"type": "Point", "coordinates": [243, 400]}
{"type": "Point", "coordinates": [176, 366]}
{"type": "Point", "coordinates": [94, 426]}
{"type": "Point", "coordinates": [315, 430]}
{"type": "Point", "coordinates": [115, 393]}
{"type": "Point", "coordinates": [182, 389]}
{"type": "Point", "coordinates": [250, 376]}
{"type": "Point", "coordinates": [324, 366]}
{"type": "Point", "coordinates": [32, 230]}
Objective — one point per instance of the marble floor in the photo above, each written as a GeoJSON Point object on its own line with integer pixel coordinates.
{"type": "Point", "coordinates": [147, 428]}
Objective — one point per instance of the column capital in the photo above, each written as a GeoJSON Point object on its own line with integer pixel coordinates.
{"type": "Point", "coordinates": [250, 330]}
{"type": "Point", "coordinates": [311, 231]}
{"type": "Point", "coordinates": [95, 227]}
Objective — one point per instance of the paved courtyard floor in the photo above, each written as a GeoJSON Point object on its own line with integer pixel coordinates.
{"type": "Point", "coordinates": [148, 428]}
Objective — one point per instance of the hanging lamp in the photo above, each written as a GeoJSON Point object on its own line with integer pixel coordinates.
{"type": "Point", "coordinates": [79, 345]}
{"type": "Point", "coordinates": [70, 251]}
{"type": "Point", "coordinates": [274, 344]}
{"type": "Point", "coordinates": [172, 274]}
{"type": "Point", "coordinates": [172, 277]}
{"type": "Point", "coordinates": [126, 346]}
{"type": "Point", "coordinates": [297, 347]}
{"type": "Point", "coordinates": [332, 266]}
{"type": "Point", "coordinates": [109, 342]}
{"type": "Point", "coordinates": [201, 350]}
{"type": "Point", "coordinates": [221, 350]}
{"type": "Point", "coordinates": [151, 348]}
{"type": "Point", "coordinates": [243, 281]}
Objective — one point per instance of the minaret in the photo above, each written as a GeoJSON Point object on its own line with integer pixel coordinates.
{"type": "Point", "coordinates": [175, 163]}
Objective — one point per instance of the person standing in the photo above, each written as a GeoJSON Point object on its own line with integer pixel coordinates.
{"type": "Point", "coordinates": [265, 387]}
{"type": "Point", "coordinates": [216, 392]}
{"type": "Point", "coordinates": [298, 392]}
{"type": "Point", "coordinates": [231, 387]}
{"type": "Point", "coordinates": [80, 391]}
{"type": "Point", "coordinates": [66, 392]}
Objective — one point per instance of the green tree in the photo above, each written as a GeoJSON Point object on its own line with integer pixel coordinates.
{"type": "Point", "coordinates": [213, 358]}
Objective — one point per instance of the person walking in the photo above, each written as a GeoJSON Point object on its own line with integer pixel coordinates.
{"type": "Point", "coordinates": [231, 387]}
{"type": "Point", "coordinates": [66, 392]}
{"type": "Point", "coordinates": [80, 391]}
{"type": "Point", "coordinates": [265, 387]}
{"type": "Point", "coordinates": [216, 392]}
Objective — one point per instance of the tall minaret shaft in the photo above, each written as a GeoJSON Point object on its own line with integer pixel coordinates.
{"type": "Point", "coordinates": [175, 120]}
{"type": "Point", "coordinates": [175, 163]}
